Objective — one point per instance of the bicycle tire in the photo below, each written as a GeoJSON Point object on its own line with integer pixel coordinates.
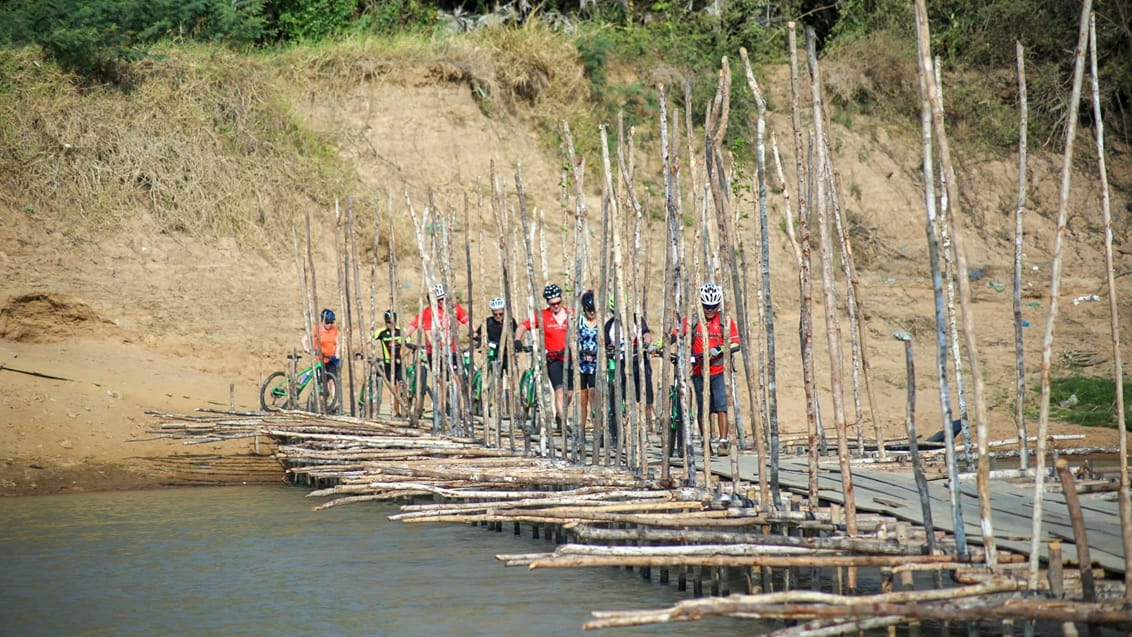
{"type": "Point", "coordinates": [376, 388]}
{"type": "Point", "coordinates": [273, 393]}
{"type": "Point", "coordinates": [331, 396]}
{"type": "Point", "coordinates": [528, 390]}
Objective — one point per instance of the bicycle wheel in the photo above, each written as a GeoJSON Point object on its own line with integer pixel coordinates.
{"type": "Point", "coordinates": [369, 399]}
{"type": "Point", "coordinates": [528, 391]}
{"type": "Point", "coordinates": [477, 393]}
{"type": "Point", "coordinates": [331, 391]}
{"type": "Point", "coordinates": [273, 393]}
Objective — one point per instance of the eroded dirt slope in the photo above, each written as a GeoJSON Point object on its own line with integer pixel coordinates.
{"type": "Point", "coordinates": [97, 328]}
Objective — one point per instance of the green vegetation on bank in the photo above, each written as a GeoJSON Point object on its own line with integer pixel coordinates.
{"type": "Point", "coordinates": [1086, 400]}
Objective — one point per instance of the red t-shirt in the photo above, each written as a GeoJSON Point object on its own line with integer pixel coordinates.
{"type": "Point", "coordinates": [715, 339]}
{"type": "Point", "coordinates": [423, 321]}
{"type": "Point", "coordinates": [554, 332]}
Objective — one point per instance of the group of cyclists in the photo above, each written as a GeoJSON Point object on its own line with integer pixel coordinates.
{"type": "Point", "coordinates": [622, 348]}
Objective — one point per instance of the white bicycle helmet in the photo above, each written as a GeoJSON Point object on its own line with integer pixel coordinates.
{"type": "Point", "coordinates": [710, 294]}
{"type": "Point", "coordinates": [496, 304]}
{"type": "Point", "coordinates": [438, 291]}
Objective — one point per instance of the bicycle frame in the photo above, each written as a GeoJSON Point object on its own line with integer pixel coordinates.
{"type": "Point", "coordinates": [284, 389]}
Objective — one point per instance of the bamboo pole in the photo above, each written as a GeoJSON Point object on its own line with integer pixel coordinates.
{"type": "Point", "coordinates": [623, 329]}
{"type": "Point", "coordinates": [950, 275]}
{"type": "Point", "coordinates": [857, 343]}
{"type": "Point", "coordinates": [342, 273]}
{"type": "Point", "coordinates": [1055, 285]}
{"type": "Point", "coordinates": [830, 302]}
{"type": "Point", "coordinates": [637, 359]}
{"type": "Point", "coordinates": [506, 347]}
{"type": "Point", "coordinates": [805, 289]}
{"type": "Point", "coordinates": [973, 363]}
{"type": "Point", "coordinates": [727, 254]}
{"type": "Point", "coordinates": [766, 478]}
{"type": "Point", "coordinates": [668, 170]}
{"type": "Point", "coordinates": [1073, 503]}
{"type": "Point", "coordinates": [314, 312]}
{"type": "Point", "coordinates": [1114, 316]}
{"type": "Point", "coordinates": [546, 404]}
{"type": "Point", "coordinates": [350, 283]}
{"type": "Point", "coordinates": [614, 276]}
{"type": "Point", "coordinates": [604, 437]}
{"type": "Point", "coordinates": [581, 250]}
{"type": "Point", "coordinates": [910, 425]}
{"type": "Point", "coordinates": [931, 229]}
{"type": "Point", "coordinates": [1019, 211]}
{"type": "Point", "coordinates": [470, 429]}
{"type": "Point", "coordinates": [304, 312]}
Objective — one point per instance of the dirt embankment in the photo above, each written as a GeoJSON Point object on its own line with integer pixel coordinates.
{"type": "Point", "coordinates": [97, 328]}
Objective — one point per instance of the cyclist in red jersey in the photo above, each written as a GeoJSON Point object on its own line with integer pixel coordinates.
{"type": "Point", "coordinates": [426, 321]}
{"type": "Point", "coordinates": [555, 323]}
{"type": "Point", "coordinates": [710, 299]}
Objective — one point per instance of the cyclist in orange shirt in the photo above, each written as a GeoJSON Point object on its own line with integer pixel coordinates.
{"type": "Point", "coordinates": [326, 341]}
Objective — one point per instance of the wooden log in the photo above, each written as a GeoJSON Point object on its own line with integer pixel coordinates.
{"type": "Point", "coordinates": [788, 561]}
{"type": "Point", "coordinates": [792, 604]}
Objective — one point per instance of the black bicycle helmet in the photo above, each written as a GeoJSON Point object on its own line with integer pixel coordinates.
{"type": "Point", "coordinates": [327, 316]}
{"type": "Point", "coordinates": [390, 316]}
{"type": "Point", "coordinates": [588, 301]}
{"type": "Point", "coordinates": [552, 291]}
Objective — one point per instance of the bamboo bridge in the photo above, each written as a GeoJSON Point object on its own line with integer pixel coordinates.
{"type": "Point", "coordinates": [708, 540]}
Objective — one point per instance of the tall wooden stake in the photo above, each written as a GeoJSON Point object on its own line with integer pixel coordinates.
{"type": "Point", "coordinates": [832, 337]}
{"type": "Point", "coordinates": [1019, 210]}
{"type": "Point", "coordinates": [1114, 320]}
{"type": "Point", "coordinates": [965, 303]}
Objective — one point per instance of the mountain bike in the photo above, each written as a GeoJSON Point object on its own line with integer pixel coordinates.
{"type": "Point", "coordinates": [420, 363]}
{"type": "Point", "coordinates": [372, 394]}
{"type": "Point", "coordinates": [474, 375]}
{"type": "Point", "coordinates": [282, 390]}
{"type": "Point", "coordinates": [675, 422]}
{"type": "Point", "coordinates": [528, 392]}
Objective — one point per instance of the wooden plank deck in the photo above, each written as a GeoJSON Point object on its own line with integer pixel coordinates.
{"type": "Point", "coordinates": [1012, 506]}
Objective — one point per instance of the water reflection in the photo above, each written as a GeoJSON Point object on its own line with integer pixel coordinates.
{"type": "Point", "coordinates": [258, 561]}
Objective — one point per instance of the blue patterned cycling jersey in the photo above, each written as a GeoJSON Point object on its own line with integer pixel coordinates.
{"type": "Point", "coordinates": [587, 347]}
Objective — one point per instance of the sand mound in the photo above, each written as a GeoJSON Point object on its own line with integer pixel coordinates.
{"type": "Point", "coordinates": [47, 318]}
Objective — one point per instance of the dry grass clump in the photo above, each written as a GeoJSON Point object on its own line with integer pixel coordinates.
{"type": "Point", "coordinates": [524, 70]}
{"type": "Point", "coordinates": [202, 142]}
{"type": "Point", "coordinates": [876, 75]}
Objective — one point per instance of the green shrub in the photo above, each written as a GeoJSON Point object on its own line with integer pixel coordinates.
{"type": "Point", "coordinates": [98, 39]}
{"type": "Point", "coordinates": [1095, 402]}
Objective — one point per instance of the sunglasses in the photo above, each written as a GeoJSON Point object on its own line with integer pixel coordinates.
{"type": "Point", "coordinates": [554, 303]}
{"type": "Point", "coordinates": [497, 313]}
{"type": "Point", "coordinates": [711, 308]}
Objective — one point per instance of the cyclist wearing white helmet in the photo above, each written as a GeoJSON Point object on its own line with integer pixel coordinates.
{"type": "Point", "coordinates": [424, 320]}
{"type": "Point", "coordinates": [494, 325]}
{"type": "Point", "coordinates": [710, 299]}
{"type": "Point", "coordinates": [554, 321]}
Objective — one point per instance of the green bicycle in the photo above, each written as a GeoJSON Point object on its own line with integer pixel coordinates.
{"type": "Point", "coordinates": [276, 392]}
{"type": "Point", "coordinates": [475, 374]}
{"type": "Point", "coordinates": [410, 384]}
{"type": "Point", "coordinates": [528, 392]}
